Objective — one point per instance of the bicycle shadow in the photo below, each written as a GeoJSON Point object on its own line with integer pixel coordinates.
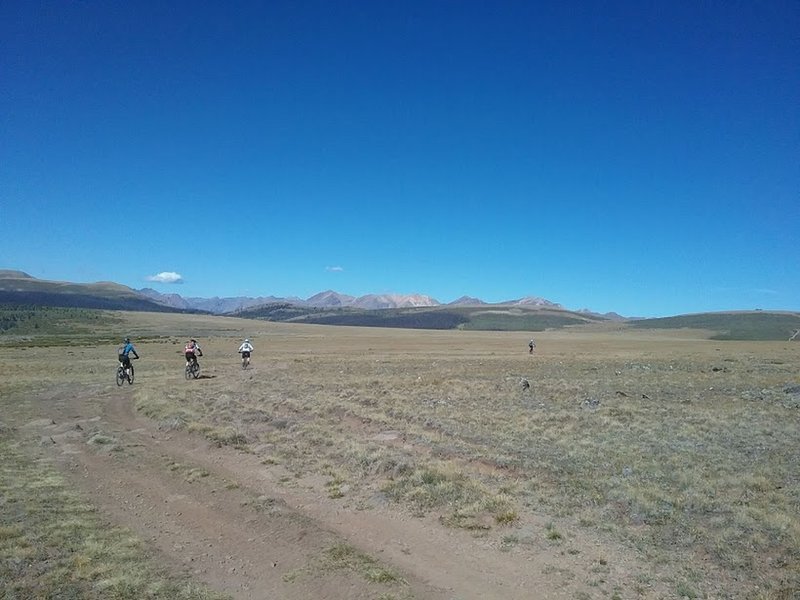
{"type": "Point", "coordinates": [202, 376]}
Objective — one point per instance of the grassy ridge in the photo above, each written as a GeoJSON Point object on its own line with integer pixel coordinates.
{"type": "Point", "coordinates": [756, 326]}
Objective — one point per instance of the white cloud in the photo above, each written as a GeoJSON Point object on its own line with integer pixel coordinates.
{"type": "Point", "coordinates": [166, 277]}
{"type": "Point", "coordinates": [334, 269]}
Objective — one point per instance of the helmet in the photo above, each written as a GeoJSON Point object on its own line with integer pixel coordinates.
{"type": "Point", "coordinates": [246, 340]}
{"type": "Point", "coordinates": [127, 340]}
{"type": "Point", "coordinates": [193, 340]}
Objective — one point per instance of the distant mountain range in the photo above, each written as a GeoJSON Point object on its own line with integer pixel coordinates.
{"type": "Point", "coordinates": [330, 299]}
{"type": "Point", "coordinates": [20, 287]}
{"type": "Point", "coordinates": [19, 290]}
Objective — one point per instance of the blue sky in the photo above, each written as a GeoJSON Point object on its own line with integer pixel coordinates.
{"type": "Point", "coordinates": [638, 157]}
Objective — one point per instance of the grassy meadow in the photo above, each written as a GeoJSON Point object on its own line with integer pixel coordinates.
{"type": "Point", "coordinates": [682, 450]}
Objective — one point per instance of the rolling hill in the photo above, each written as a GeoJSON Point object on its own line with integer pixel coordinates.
{"type": "Point", "coordinates": [20, 288]}
{"type": "Point", "coordinates": [473, 317]}
{"type": "Point", "coordinates": [739, 325]}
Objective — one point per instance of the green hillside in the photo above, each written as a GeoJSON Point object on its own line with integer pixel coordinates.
{"type": "Point", "coordinates": [486, 318]}
{"type": "Point", "coordinates": [20, 289]}
{"type": "Point", "coordinates": [56, 326]}
{"type": "Point", "coordinates": [30, 284]}
{"type": "Point", "coordinates": [523, 320]}
{"type": "Point", "coordinates": [755, 325]}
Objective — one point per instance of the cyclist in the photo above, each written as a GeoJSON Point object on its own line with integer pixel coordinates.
{"type": "Point", "coordinates": [191, 351]}
{"type": "Point", "coordinates": [531, 346]}
{"type": "Point", "coordinates": [245, 349]}
{"type": "Point", "coordinates": [123, 353]}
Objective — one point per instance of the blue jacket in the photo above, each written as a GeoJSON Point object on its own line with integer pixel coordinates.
{"type": "Point", "coordinates": [127, 348]}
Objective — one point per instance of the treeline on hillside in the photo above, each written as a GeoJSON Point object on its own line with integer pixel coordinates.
{"type": "Point", "coordinates": [483, 318]}
{"type": "Point", "coordinates": [388, 317]}
{"type": "Point", "coordinates": [85, 301]}
{"type": "Point", "coordinates": [277, 311]}
{"type": "Point", "coordinates": [25, 319]}
{"type": "Point", "coordinates": [81, 301]}
{"type": "Point", "coordinates": [391, 318]}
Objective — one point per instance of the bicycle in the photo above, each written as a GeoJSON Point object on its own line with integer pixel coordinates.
{"type": "Point", "coordinates": [193, 369]}
{"type": "Point", "coordinates": [124, 373]}
{"type": "Point", "coordinates": [245, 359]}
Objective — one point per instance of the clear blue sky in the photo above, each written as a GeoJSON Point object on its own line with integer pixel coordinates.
{"type": "Point", "coordinates": [639, 157]}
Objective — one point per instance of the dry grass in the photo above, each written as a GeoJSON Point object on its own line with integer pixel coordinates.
{"type": "Point", "coordinates": [54, 545]}
{"type": "Point", "coordinates": [342, 557]}
{"type": "Point", "coordinates": [683, 450]}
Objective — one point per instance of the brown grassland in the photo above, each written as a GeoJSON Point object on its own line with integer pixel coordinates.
{"type": "Point", "coordinates": [642, 464]}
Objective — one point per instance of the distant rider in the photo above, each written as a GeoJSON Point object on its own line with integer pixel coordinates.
{"type": "Point", "coordinates": [123, 353]}
{"type": "Point", "coordinates": [245, 349]}
{"type": "Point", "coordinates": [191, 351]}
{"type": "Point", "coordinates": [531, 346]}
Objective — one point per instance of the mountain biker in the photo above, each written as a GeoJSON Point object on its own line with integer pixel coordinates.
{"type": "Point", "coordinates": [191, 351]}
{"type": "Point", "coordinates": [531, 346]}
{"type": "Point", "coordinates": [245, 349]}
{"type": "Point", "coordinates": [123, 354]}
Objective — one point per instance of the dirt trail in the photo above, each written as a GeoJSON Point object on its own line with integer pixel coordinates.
{"type": "Point", "coordinates": [225, 517]}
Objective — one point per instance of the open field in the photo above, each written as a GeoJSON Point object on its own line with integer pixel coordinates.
{"type": "Point", "coordinates": [391, 463]}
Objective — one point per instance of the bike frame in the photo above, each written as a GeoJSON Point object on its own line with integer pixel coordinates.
{"type": "Point", "coordinates": [193, 369]}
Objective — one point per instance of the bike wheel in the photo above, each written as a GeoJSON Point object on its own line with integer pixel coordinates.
{"type": "Point", "coordinates": [130, 377]}
{"type": "Point", "coordinates": [120, 375]}
{"type": "Point", "coordinates": [188, 371]}
{"type": "Point", "coordinates": [196, 370]}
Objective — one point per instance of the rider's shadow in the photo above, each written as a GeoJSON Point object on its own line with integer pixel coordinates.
{"type": "Point", "coordinates": [206, 376]}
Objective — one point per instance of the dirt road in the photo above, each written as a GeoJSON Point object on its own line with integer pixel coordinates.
{"type": "Point", "coordinates": [226, 518]}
